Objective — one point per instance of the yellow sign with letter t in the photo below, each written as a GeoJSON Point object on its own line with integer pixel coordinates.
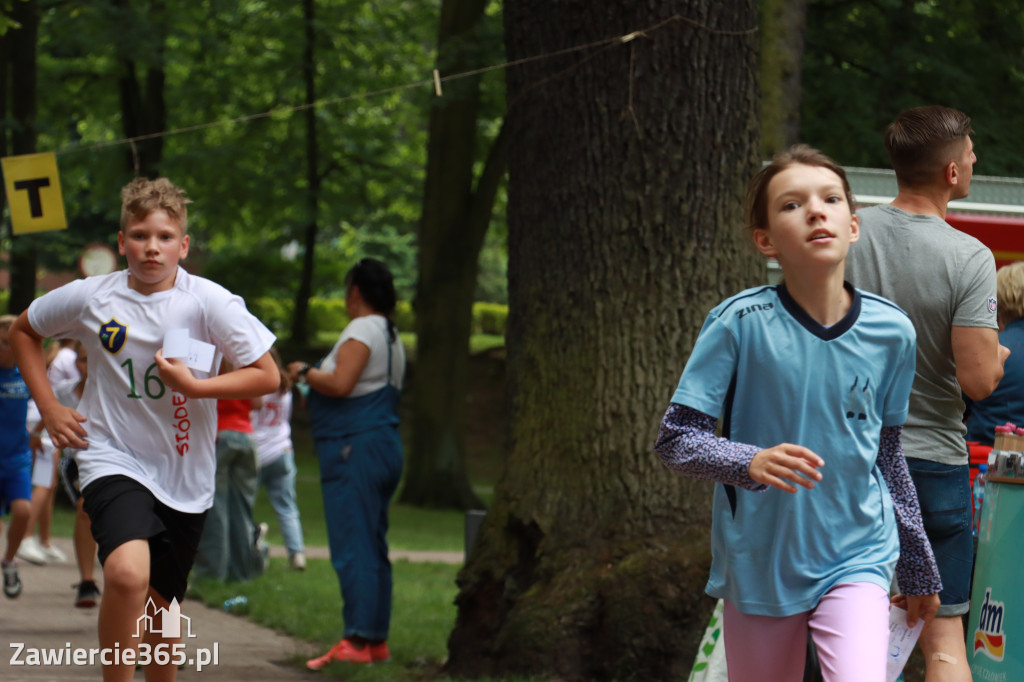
{"type": "Point", "coordinates": [33, 193]}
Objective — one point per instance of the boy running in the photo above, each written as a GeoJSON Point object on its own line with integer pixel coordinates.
{"type": "Point", "coordinates": [146, 425]}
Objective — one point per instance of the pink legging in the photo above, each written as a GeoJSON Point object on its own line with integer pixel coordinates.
{"type": "Point", "coordinates": [850, 627]}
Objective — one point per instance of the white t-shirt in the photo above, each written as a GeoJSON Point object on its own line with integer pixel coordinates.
{"type": "Point", "coordinates": [271, 427]}
{"type": "Point", "coordinates": [63, 368]}
{"type": "Point", "coordinates": [372, 332]}
{"type": "Point", "coordinates": [136, 426]}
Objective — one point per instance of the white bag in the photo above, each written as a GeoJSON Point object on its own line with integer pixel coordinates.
{"type": "Point", "coordinates": [709, 665]}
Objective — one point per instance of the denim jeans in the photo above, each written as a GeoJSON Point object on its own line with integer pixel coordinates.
{"type": "Point", "coordinates": [944, 491]}
{"type": "Point", "coordinates": [278, 477]}
{"type": "Point", "coordinates": [227, 550]}
{"type": "Point", "coordinates": [358, 476]}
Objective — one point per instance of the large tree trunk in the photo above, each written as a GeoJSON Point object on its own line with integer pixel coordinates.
{"type": "Point", "coordinates": [21, 46]}
{"type": "Point", "coordinates": [299, 331]}
{"type": "Point", "coordinates": [782, 57]}
{"type": "Point", "coordinates": [455, 220]}
{"type": "Point", "coordinates": [143, 107]}
{"type": "Point", "coordinates": [627, 168]}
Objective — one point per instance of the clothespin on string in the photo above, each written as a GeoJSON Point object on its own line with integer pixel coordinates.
{"type": "Point", "coordinates": [437, 83]}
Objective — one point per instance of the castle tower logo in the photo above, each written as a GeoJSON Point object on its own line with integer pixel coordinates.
{"type": "Point", "coordinates": [170, 621]}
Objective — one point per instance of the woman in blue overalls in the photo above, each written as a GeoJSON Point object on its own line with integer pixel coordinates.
{"type": "Point", "coordinates": [353, 409]}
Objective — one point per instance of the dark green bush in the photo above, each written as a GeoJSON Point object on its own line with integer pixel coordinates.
{"type": "Point", "coordinates": [489, 318]}
{"type": "Point", "coordinates": [328, 314]}
{"type": "Point", "coordinates": [405, 319]}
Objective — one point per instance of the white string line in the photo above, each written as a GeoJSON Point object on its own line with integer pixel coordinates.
{"type": "Point", "coordinates": [433, 81]}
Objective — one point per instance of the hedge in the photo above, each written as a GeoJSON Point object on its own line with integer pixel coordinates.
{"type": "Point", "coordinates": [328, 314]}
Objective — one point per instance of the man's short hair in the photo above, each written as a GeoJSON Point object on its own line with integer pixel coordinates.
{"type": "Point", "coordinates": [142, 196]}
{"type": "Point", "coordinates": [923, 140]}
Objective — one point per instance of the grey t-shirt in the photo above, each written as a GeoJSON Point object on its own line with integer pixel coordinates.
{"type": "Point", "coordinates": [942, 278]}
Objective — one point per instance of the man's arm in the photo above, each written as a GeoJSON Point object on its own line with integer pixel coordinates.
{"type": "Point", "coordinates": [979, 360]}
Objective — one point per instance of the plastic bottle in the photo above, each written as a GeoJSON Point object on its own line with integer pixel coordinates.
{"type": "Point", "coordinates": [235, 604]}
{"type": "Point", "coordinates": [979, 495]}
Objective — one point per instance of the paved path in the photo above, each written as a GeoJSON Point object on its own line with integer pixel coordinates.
{"type": "Point", "coordinates": [44, 617]}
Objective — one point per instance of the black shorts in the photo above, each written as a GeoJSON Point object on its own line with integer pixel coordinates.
{"type": "Point", "coordinates": [121, 509]}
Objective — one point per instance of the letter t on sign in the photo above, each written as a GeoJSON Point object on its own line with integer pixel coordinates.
{"type": "Point", "coordinates": [35, 203]}
{"type": "Point", "coordinates": [33, 193]}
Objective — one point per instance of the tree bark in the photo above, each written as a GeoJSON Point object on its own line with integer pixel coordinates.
{"type": "Point", "coordinates": [628, 162]}
{"type": "Point", "coordinates": [22, 44]}
{"type": "Point", "coordinates": [455, 220]}
{"type": "Point", "coordinates": [782, 57]}
{"type": "Point", "coordinates": [143, 107]}
{"type": "Point", "coordinates": [299, 332]}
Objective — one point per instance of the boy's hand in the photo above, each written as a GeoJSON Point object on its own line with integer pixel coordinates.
{"type": "Point", "coordinates": [924, 607]}
{"type": "Point", "coordinates": [65, 427]}
{"type": "Point", "coordinates": [175, 374]}
{"type": "Point", "coordinates": [786, 462]}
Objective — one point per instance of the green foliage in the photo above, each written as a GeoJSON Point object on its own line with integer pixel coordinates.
{"type": "Point", "coordinates": [865, 62]}
{"type": "Point", "coordinates": [327, 316]}
{"type": "Point", "coordinates": [235, 95]}
{"type": "Point", "coordinates": [327, 313]}
{"type": "Point", "coordinates": [276, 313]}
{"type": "Point", "coordinates": [405, 318]}
{"type": "Point", "coordinates": [489, 318]}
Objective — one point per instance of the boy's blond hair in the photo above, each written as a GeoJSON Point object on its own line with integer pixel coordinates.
{"type": "Point", "coordinates": [6, 321]}
{"type": "Point", "coordinates": [142, 196]}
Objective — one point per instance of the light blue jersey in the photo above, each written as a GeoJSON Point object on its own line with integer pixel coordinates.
{"type": "Point", "coordinates": [828, 389]}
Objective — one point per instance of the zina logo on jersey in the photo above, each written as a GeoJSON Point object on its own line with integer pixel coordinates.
{"type": "Point", "coordinates": [112, 336]}
{"type": "Point", "coordinates": [989, 637]}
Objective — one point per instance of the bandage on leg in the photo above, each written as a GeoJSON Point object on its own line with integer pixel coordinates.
{"type": "Point", "coordinates": [945, 658]}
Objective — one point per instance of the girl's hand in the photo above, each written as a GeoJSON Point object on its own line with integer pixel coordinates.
{"type": "Point", "coordinates": [786, 462]}
{"type": "Point", "coordinates": [175, 374]}
{"type": "Point", "coordinates": [924, 607]}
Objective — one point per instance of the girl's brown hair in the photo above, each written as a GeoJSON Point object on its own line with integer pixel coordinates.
{"type": "Point", "coordinates": [757, 192]}
{"type": "Point", "coordinates": [286, 383]}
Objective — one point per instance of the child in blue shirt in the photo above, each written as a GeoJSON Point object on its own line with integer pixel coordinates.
{"type": "Point", "coordinates": [15, 457]}
{"type": "Point", "coordinates": [814, 509]}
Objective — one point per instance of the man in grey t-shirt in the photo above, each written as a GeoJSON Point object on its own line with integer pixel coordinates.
{"type": "Point", "coordinates": [946, 282]}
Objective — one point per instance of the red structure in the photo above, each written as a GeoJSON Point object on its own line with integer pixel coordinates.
{"type": "Point", "coordinates": [1003, 234]}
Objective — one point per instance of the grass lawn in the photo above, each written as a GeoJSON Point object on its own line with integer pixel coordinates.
{"type": "Point", "coordinates": [307, 604]}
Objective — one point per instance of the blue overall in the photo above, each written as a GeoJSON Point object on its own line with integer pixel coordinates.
{"type": "Point", "coordinates": [360, 453]}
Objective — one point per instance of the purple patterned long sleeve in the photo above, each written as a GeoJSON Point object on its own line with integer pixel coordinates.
{"type": "Point", "coordinates": [916, 571]}
{"type": "Point", "coordinates": [687, 444]}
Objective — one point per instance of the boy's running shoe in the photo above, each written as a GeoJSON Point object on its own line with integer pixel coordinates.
{"type": "Point", "coordinates": [12, 583]}
{"type": "Point", "coordinates": [88, 594]}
